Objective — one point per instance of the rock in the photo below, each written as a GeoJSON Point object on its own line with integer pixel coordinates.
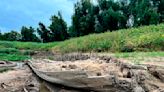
{"type": "Point", "coordinates": [160, 74]}
{"type": "Point", "coordinates": [125, 73]}
{"type": "Point", "coordinates": [138, 89]}
{"type": "Point", "coordinates": [140, 67]}
{"type": "Point", "coordinates": [124, 84]}
{"type": "Point", "coordinates": [72, 66]}
{"type": "Point", "coordinates": [157, 72]}
{"type": "Point", "coordinates": [98, 74]}
{"type": "Point", "coordinates": [64, 66]}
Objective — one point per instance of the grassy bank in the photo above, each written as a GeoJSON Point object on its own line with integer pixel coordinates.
{"type": "Point", "coordinates": [139, 54]}
{"type": "Point", "coordinates": [13, 57]}
{"type": "Point", "coordinates": [13, 54]}
{"type": "Point", "coordinates": [27, 45]}
{"type": "Point", "coordinates": [147, 38]}
{"type": "Point", "coordinates": [18, 51]}
{"type": "Point", "coordinates": [141, 57]}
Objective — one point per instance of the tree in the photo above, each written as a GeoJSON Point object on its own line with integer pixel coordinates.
{"type": "Point", "coordinates": [71, 32]}
{"type": "Point", "coordinates": [161, 9]}
{"type": "Point", "coordinates": [98, 27]}
{"type": "Point", "coordinates": [28, 34]}
{"type": "Point", "coordinates": [12, 36]}
{"type": "Point", "coordinates": [144, 12]}
{"type": "Point", "coordinates": [1, 36]}
{"type": "Point", "coordinates": [110, 16]}
{"type": "Point", "coordinates": [83, 19]}
{"type": "Point", "coordinates": [44, 33]}
{"type": "Point", "coordinates": [58, 28]}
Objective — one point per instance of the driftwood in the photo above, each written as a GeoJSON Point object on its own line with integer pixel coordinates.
{"type": "Point", "coordinates": [6, 64]}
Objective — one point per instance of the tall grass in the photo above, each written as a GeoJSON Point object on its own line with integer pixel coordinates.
{"type": "Point", "coordinates": [19, 51]}
{"type": "Point", "coordinates": [146, 38]}
{"type": "Point", "coordinates": [13, 57]}
{"type": "Point", "coordinates": [27, 45]}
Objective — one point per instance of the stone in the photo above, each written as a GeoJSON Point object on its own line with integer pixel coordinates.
{"type": "Point", "coordinates": [138, 89]}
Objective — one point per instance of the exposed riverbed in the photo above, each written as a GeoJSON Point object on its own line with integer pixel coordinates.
{"type": "Point", "coordinates": [21, 79]}
{"type": "Point", "coordinates": [126, 77]}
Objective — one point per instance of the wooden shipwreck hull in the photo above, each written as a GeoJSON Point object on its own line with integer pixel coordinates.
{"type": "Point", "coordinates": [77, 79]}
{"type": "Point", "coordinates": [126, 78]}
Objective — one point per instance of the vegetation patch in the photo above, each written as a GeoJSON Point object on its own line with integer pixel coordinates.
{"type": "Point", "coordinates": [9, 50]}
{"type": "Point", "coordinates": [13, 57]}
{"type": "Point", "coordinates": [139, 54]}
{"type": "Point", "coordinates": [141, 57]}
{"type": "Point", "coordinates": [26, 45]}
{"type": "Point", "coordinates": [146, 38]}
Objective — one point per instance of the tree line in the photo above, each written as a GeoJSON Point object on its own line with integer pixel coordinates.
{"type": "Point", "coordinates": [88, 17]}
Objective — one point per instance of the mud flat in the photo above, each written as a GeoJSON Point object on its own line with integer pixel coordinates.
{"type": "Point", "coordinates": [18, 79]}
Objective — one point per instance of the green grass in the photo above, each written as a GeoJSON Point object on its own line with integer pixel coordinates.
{"type": "Point", "coordinates": [139, 54]}
{"type": "Point", "coordinates": [141, 57]}
{"type": "Point", "coordinates": [9, 50]}
{"type": "Point", "coordinates": [146, 38]}
{"type": "Point", "coordinates": [13, 57]}
{"type": "Point", "coordinates": [19, 51]}
{"type": "Point", "coordinates": [13, 54]}
{"type": "Point", "coordinates": [27, 45]}
{"type": "Point", "coordinates": [146, 41]}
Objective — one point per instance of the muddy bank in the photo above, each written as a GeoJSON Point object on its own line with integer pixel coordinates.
{"type": "Point", "coordinates": [19, 79]}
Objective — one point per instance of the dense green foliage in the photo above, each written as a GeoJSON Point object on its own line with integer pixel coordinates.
{"type": "Point", "coordinates": [44, 33]}
{"type": "Point", "coordinates": [57, 31]}
{"type": "Point", "coordinates": [58, 28]}
{"type": "Point", "coordinates": [144, 12]}
{"type": "Point", "coordinates": [11, 36]}
{"type": "Point", "coordinates": [109, 15]}
{"type": "Point", "coordinates": [106, 15]}
{"type": "Point", "coordinates": [28, 34]}
{"type": "Point", "coordinates": [83, 19]}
